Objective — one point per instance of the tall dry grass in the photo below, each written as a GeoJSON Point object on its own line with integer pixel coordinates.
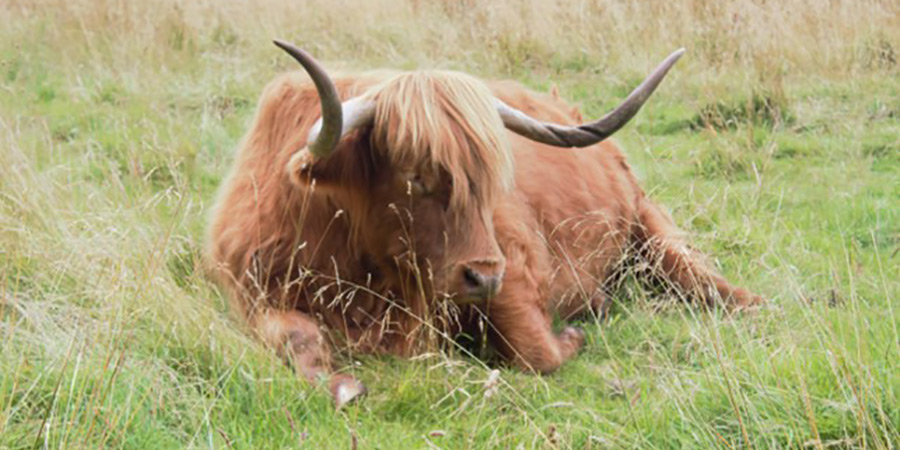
{"type": "Point", "coordinates": [740, 49]}
{"type": "Point", "coordinates": [768, 38]}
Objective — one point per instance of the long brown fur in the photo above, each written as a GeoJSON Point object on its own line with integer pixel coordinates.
{"type": "Point", "coordinates": [448, 119]}
{"type": "Point", "coordinates": [365, 248]}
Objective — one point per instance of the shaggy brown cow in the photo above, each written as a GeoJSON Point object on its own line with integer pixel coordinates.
{"type": "Point", "coordinates": [408, 213]}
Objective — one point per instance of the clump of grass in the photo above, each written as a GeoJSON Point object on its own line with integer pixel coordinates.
{"type": "Point", "coordinates": [757, 109]}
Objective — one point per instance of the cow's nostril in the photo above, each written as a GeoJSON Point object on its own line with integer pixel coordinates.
{"type": "Point", "coordinates": [476, 285]}
{"type": "Point", "coordinates": [473, 280]}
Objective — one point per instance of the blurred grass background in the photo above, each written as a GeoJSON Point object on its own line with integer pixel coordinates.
{"type": "Point", "coordinates": [775, 142]}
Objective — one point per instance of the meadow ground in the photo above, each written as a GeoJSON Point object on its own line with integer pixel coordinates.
{"type": "Point", "coordinates": [775, 142]}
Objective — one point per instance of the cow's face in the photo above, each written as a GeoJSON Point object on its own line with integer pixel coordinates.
{"type": "Point", "coordinates": [432, 244]}
{"type": "Point", "coordinates": [444, 163]}
{"type": "Point", "coordinates": [421, 181]}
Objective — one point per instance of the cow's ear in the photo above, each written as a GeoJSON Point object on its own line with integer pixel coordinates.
{"type": "Point", "coordinates": [575, 112]}
{"type": "Point", "coordinates": [348, 166]}
{"type": "Point", "coordinates": [300, 167]}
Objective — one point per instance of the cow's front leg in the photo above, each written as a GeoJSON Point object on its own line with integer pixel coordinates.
{"type": "Point", "coordinates": [523, 334]}
{"type": "Point", "coordinates": [296, 337]}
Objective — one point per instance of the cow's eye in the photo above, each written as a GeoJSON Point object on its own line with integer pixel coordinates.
{"type": "Point", "coordinates": [416, 185]}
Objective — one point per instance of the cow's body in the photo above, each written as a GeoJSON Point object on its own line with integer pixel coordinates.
{"type": "Point", "coordinates": [295, 257]}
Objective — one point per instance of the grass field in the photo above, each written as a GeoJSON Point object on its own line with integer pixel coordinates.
{"type": "Point", "coordinates": [775, 142]}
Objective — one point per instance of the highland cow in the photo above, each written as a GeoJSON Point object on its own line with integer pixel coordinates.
{"type": "Point", "coordinates": [390, 211]}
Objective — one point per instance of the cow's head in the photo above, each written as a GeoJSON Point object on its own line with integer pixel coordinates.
{"type": "Point", "coordinates": [423, 160]}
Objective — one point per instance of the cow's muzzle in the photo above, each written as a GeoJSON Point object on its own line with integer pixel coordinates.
{"type": "Point", "coordinates": [479, 282]}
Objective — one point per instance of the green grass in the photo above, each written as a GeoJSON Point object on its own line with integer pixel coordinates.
{"type": "Point", "coordinates": [113, 337]}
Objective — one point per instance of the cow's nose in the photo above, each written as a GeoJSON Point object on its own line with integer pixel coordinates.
{"type": "Point", "coordinates": [480, 284]}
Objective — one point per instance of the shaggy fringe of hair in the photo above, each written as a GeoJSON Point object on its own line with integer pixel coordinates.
{"type": "Point", "coordinates": [448, 119]}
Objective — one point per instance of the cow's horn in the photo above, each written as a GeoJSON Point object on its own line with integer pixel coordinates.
{"type": "Point", "coordinates": [589, 133]}
{"type": "Point", "coordinates": [322, 144]}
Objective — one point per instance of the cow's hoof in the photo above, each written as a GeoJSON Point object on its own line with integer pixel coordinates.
{"type": "Point", "coordinates": [346, 389]}
{"type": "Point", "coordinates": [573, 335]}
{"type": "Point", "coordinates": [744, 302]}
